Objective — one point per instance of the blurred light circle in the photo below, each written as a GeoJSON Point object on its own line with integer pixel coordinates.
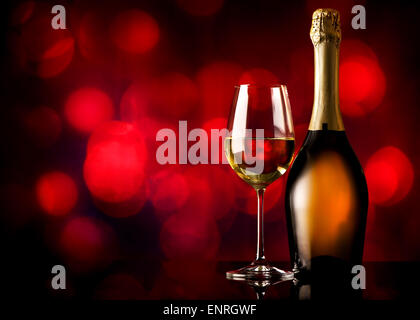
{"type": "Point", "coordinates": [48, 51]}
{"type": "Point", "coordinates": [390, 175]}
{"type": "Point", "coordinates": [121, 131]}
{"type": "Point", "coordinates": [189, 236]}
{"type": "Point", "coordinates": [174, 94]}
{"type": "Point", "coordinates": [85, 243]}
{"type": "Point", "coordinates": [42, 126]}
{"type": "Point", "coordinates": [202, 7]}
{"type": "Point", "coordinates": [168, 191]}
{"type": "Point", "coordinates": [87, 108]}
{"type": "Point", "coordinates": [120, 286]}
{"type": "Point", "coordinates": [134, 31]}
{"type": "Point", "coordinates": [362, 81]}
{"type": "Point", "coordinates": [383, 181]}
{"type": "Point", "coordinates": [56, 58]}
{"type": "Point", "coordinates": [115, 162]}
{"type": "Point", "coordinates": [216, 83]}
{"type": "Point", "coordinates": [358, 81]}
{"type": "Point", "coordinates": [56, 193]}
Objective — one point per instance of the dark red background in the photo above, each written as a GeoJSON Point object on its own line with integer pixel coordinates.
{"type": "Point", "coordinates": [85, 192]}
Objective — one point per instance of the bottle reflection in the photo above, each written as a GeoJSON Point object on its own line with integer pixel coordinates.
{"type": "Point", "coordinates": [325, 284]}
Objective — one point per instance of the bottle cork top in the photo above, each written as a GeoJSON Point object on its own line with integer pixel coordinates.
{"type": "Point", "coordinates": [325, 26]}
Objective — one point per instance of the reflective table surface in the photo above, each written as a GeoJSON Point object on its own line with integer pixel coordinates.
{"type": "Point", "coordinates": [185, 280]}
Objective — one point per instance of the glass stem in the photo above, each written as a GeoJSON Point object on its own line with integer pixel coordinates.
{"type": "Point", "coordinates": [260, 226]}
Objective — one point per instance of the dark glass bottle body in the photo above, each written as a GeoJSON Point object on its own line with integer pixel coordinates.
{"type": "Point", "coordinates": [326, 205]}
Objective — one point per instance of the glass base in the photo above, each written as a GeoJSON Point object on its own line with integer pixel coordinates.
{"type": "Point", "coordinates": [259, 270]}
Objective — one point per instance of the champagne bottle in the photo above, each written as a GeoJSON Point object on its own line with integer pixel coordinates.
{"type": "Point", "coordinates": [326, 193]}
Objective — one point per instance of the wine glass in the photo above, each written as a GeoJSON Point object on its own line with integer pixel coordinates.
{"type": "Point", "coordinates": [259, 148]}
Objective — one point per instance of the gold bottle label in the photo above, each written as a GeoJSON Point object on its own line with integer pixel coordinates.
{"type": "Point", "coordinates": [326, 36]}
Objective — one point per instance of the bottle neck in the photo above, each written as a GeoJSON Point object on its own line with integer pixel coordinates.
{"type": "Point", "coordinates": [326, 113]}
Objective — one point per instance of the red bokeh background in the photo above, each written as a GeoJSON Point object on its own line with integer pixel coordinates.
{"type": "Point", "coordinates": [82, 106]}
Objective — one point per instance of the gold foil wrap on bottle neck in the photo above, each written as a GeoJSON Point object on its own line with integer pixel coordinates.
{"type": "Point", "coordinates": [325, 26]}
{"type": "Point", "coordinates": [326, 35]}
